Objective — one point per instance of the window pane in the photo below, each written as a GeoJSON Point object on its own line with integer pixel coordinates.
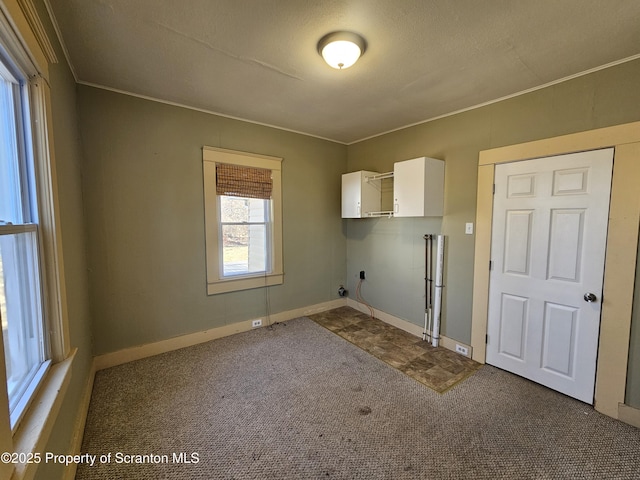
{"type": "Point", "coordinates": [11, 205]}
{"type": "Point", "coordinates": [242, 209]}
{"type": "Point", "coordinates": [244, 249]}
{"type": "Point", "coordinates": [258, 210]}
{"type": "Point", "coordinates": [234, 209]}
{"type": "Point", "coordinates": [20, 310]}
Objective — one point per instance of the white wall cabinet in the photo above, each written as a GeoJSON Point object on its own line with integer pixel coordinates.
{"type": "Point", "coordinates": [359, 197]}
{"type": "Point", "coordinates": [418, 188]}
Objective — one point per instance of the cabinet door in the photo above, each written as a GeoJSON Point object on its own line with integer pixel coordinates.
{"type": "Point", "coordinates": [408, 188]}
{"type": "Point", "coordinates": [351, 192]}
{"type": "Point", "coordinates": [418, 187]}
{"type": "Point", "coordinates": [359, 196]}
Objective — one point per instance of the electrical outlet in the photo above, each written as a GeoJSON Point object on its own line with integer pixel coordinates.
{"type": "Point", "coordinates": [361, 274]}
{"type": "Point", "coordinates": [256, 323]}
{"type": "Point", "coordinates": [468, 228]}
{"type": "Point", "coordinates": [463, 350]}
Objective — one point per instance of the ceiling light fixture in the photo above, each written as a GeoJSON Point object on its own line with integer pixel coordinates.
{"type": "Point", "coordinates": [341, 49]}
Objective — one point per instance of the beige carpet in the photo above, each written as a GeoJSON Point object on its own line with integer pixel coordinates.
{"type": "Point", "coordinates": [298, 402]}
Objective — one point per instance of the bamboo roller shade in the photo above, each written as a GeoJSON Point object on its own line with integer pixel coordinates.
{"type": "Point", "coordinates": [241, 181]}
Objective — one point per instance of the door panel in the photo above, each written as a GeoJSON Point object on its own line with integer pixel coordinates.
{"type": "Point", "coordinates": [513, 326]}
{"type": "Point", "coordinates": [558, 350]}
{"type": "Point", "coordinates": [570, 182]}
{"type": "Point", "coordinates": [521, 186]}
{"type": "Point", "coordinates": [548, 245]}
{"type": "Point", "coordinates": [565, 244]}
{"type": "Point", "coordinates": [517, 242]}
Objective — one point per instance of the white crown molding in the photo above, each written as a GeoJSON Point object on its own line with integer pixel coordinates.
{"type": "Point", "coordinates": [30, 13]}
{"type": "Point", "coordinates": [65, 50]}
{"type": "Point", "coordinates": [506, 97]}
{"type": "Point", "coordinates": [203, 110]}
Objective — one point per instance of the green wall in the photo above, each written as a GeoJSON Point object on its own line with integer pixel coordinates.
{"type": "Point", "coordinates": [143, 197]}
{"type": "Point", "coordinates": [392, 250]}
{"type": "Point", "coordinates": [633, 368]}
{"type": "Point", "coordinates": [69, 173]}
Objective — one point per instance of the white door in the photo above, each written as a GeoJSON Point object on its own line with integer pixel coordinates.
{"type": "Point", "coordinates": [550, 219]}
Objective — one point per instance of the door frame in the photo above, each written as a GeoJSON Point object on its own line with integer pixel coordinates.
{"type": "Point", "coordinates": [620, 256]}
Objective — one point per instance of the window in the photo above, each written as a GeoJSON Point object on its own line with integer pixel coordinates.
{"type": "Point", "coordinates": [25, 348]}
{"type": "Point", "coordinates": [243, 223]}
{"type": "Point", "coordinates": [35, 355]}
{"type": "Point", "coordinates": [243, 232]}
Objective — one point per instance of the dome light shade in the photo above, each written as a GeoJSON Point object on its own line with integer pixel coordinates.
{"type": "Point", "coordinates": [341, 49]}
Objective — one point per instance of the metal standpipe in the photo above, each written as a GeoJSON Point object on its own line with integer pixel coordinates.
{"type": "Point", "coordinates": [437, 292]}
{"type": "Point", "coordinates": [433, 292]}
{"type": "Point", "coordinates": [428, 249]}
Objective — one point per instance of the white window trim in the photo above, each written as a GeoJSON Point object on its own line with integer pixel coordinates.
{"type": "Point", "coordinates": [55, 297]}
{"type": "Point", "coordinates": [36, 425]}
{"type": "Point", "coordinates": [215, 282]}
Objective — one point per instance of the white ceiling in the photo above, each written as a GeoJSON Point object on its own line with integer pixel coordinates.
{"type": "Point", "coordinates": [257, 59]}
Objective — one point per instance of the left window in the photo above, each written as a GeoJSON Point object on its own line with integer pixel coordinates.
{"type": "Point", "coordinates": [26, 352]}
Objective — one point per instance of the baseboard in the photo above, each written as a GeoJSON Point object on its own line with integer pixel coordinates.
{"type": "Point", "coordinates": [450, 344]}
{"type": "Point", "coordinates": [412, 328]}
{"type": "Point", "coordinates": [628, 414]}
{"type": "Point", "coordinates": [143, 351]}
{"type": "Point", "coordinates": [81, 420]}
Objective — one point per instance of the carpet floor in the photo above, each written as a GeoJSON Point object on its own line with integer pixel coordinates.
{"type": "Point", "coordinates": [295, 401]}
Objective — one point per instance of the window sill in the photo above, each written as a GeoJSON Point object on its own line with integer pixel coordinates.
{"type": "Point", "coordinates": [244, 283]}
{"type": "Point", "coordinates": [38, 421]}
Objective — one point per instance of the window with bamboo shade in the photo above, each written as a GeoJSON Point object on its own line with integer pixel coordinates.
{"type": "Point", "coordinates": [243, 220]}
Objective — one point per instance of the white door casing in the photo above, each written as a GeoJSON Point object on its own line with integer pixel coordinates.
{"type": "Point", "coordinates": [548, 248]}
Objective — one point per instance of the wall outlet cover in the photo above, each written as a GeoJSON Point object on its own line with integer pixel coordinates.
{"type": "Point", "coordinates": [256, 323]}
{"type": "Point", "coordinates": [463, 350]}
